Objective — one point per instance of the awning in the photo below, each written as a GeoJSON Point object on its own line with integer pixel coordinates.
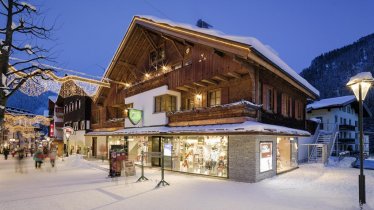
{"type": "Point", "coordinates": [248, 127]}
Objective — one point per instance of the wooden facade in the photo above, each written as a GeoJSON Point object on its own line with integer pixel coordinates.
{"type": "Point", "coordinates": [208, 72]}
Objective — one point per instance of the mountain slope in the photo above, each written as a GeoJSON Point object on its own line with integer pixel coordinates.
{"type": "Point", "coordinates": [34, 104]}
{"type": "Point", "coordinates": [331, 71]}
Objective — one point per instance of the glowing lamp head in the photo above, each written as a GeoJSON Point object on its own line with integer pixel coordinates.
{"type": "Point", "coordinates": [363, 80]}
{"type": "Point", "coordinates": [127, 84]}
{"type": "Point", "coordinates": [147, 75]}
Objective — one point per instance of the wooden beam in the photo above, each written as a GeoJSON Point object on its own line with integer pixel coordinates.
{"type": "Point", "coordinates": [199, 84]}
{"type": "Point", "coordinates": [149, 39]}
{"type": "Point", "coordinates": [212, 82]}
{"type": "Point", "coordinates": [234, 74]}
{"type": "Point", "coordinates": [126, 64]}
{"type": "Point", "coordinates": [183, 89]}
{"type": "Point", "coordinates": [188, 86]}
{"type": "Point", "coordinates": [221, 78]}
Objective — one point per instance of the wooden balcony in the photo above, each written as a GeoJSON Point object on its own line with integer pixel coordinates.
{"type": "Point", "coordinates": [229, 113]}
{"type": "Point", "coordinates": [145, 85]}
{"type": "Point", "coordinates": [278, 119]}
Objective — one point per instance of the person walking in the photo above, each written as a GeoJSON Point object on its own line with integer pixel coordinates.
{"type": "Point", "coordinates": [6, 153]}
{"type": "Point", "coordinates": [38, 157]}
{"type": "Point", "coordinates": [52, 157]}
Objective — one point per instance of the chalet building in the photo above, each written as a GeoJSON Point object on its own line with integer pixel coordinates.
{"type": "Point", "coordinates": [340, 113]}
{"type": "Point", "coordinates": [56, 114]}
{"type": "Point", "coordinates": [76, 108]}
{"type": "Point", "coordinates": [217, 105]}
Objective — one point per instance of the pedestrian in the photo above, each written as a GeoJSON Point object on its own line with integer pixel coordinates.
{"type": "Point", "coordinates": [19, 165]}
{"type": "Point", "coordinates": [38, 157]}
{"type": "Point", "coordinates": [52, 157]}
{"type": "Point", "coordinates": [6, 153]}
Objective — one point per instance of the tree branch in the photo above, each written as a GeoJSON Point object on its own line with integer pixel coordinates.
{"type": "Point", "coordinates": [4, 5]}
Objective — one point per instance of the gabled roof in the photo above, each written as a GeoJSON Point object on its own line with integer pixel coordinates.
{"type": "Point", "coordinates": [337, 102]}
{"type": "Point", "coordinates": [332, 102]}
{"type": "Point", "coordinates": [247, 47]}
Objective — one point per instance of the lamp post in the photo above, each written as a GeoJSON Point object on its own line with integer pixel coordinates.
{"type": "Point", "coordinates": [67, 134]}
{"type": "Point", "coordinates": [360, 85]}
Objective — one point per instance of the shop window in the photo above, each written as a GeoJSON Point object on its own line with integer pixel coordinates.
{"type": "Point", "coordinates": [165, 103]}
{"type": "Point", "coordinates": [286, 154]}
{"type": "Point", "coordinates": [266, 156]}
{"type": "Point", "coordinates": [214, 98]}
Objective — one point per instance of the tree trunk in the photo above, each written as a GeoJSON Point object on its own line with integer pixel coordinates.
{"type": "Point", "coordinates": [4, 60]}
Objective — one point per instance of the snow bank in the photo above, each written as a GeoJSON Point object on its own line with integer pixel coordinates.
{"type": "Point", "coordinates": [344, 163]}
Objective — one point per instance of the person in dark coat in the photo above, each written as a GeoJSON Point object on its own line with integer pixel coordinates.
{"type": "Point", "coordinates": [6, 153]}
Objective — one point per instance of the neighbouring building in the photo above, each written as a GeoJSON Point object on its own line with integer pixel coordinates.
{"type": "Point", "coordinates": [217, 105]}
{"type": "Point", "coordinates": [56, 114]}
{"type": "Point", "coordinates": [76, 108]}
{"type": "Point", "coordinates": [341, 113]}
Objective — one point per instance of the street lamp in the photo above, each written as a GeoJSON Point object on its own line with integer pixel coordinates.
{"type": "Point", "coordinates": [360, 85]}
{"type": "Point", "coordinates": [67, 134]}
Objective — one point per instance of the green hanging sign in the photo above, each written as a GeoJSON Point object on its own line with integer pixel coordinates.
{"type": "Point", "coordinates": [135, 116]}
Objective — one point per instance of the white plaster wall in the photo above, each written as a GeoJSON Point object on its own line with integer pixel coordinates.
{"type": "Point", "coordinates": [145, 101]}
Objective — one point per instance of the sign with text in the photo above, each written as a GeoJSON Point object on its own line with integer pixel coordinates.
{"type": "Point", "coordinates": [135, 116]}
{"type": "Point", "coordinates": [266, 156]}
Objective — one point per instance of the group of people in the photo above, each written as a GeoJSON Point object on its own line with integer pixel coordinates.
{"type": "Point", "coordinates": [41, 153]}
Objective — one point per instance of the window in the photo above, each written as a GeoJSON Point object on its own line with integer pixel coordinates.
{"type": "Point", "coordinates": [165, 103]}
{"type": "Point", "coordinates": [299, 110]}
{"type": "Point", "coordinates": [157, 56]}
{"type": "Point", "coordinates": [79, 104]}
{"type": "Point", "coordinates": [336, 119]}
{"type": "Point", "coordinates": [82, 125]}
{"type": "Point", "coordinates": [269, 101]}
{"type": "Point", "coordinates": [189, 104]}
{"type": "Point", "coordinates": [95, 116]}
{"type": "Point", "coordinates": [345, 121]}
{"type": "Point", "coordinates": [350, 122]}
{"type": "Point", "coordinates": [75, 126]}
{"type": "Point", "coordinates": [214, 98]}
{"type": "Point", "coordinates": [286, 105]}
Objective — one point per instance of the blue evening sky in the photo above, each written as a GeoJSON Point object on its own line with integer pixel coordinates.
{"type": "Point", "coordinates": [89, 31]}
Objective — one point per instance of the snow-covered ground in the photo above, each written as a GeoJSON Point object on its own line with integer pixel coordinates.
{"type": "Point", "coordinates": [79, 184]}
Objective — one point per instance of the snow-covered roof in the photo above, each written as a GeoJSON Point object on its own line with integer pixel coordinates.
{"type": "Point", "coordinates": [264, 50]}
{"type": "Point", "coordinates": [53, 98]}
{"type": "Point", "coordinates": [332, 102]}
{"type": "Point", "coordinates": [245, 127]}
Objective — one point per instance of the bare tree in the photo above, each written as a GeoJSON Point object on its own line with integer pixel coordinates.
{"type": "Point", "coordinates": [20, 30]}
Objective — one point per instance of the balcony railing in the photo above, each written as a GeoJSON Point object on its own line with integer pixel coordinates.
{"type": "Point", "coordinates": [347, 127]}
{"type": "Point", "coordinates": [239, 109]}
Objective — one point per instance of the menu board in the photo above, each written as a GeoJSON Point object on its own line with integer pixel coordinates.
{"type": "Point", "coordinates": [266, 156]}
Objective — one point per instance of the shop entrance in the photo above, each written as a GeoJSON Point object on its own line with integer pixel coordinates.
{"type": "Point", "coordinates": [286, 154]}
{"type": "Point", "coordinates": [156, 147]}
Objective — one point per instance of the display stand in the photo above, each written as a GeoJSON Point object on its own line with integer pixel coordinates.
{"type": "Point", "coordinates": [162, 182]}
{"type": "Point", "coordinates": [142, 178]}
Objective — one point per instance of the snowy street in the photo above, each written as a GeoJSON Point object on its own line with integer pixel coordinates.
{"type": "Point", "coordinates": [79, 184]}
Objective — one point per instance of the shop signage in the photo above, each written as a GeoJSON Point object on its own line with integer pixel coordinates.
{"type": "Point", "coordinates": [266, 156]}
{"type": "Point", "coordinates": [135, 116]}
{"type": "Point", "coordinates": [52, 130]}
{"type": "Point", "coordinates": [130, 168]}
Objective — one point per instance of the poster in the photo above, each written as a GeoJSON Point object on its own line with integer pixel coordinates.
{"type": "Point", "coordinates": [266, 156]}
{"type": "Point", "coordinates": [167, 150]}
